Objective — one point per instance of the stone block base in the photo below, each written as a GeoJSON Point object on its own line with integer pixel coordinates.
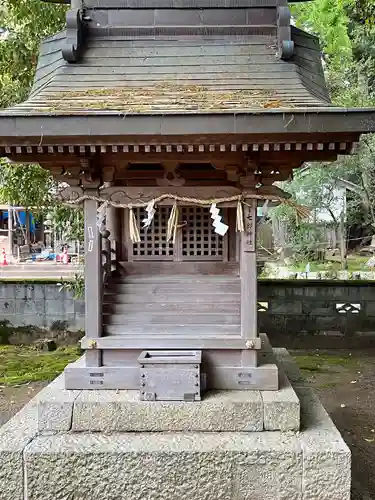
{"type": "Point", "coordinates": [60, 409]}
{"type": "Point", "coordinates": [311, 464]}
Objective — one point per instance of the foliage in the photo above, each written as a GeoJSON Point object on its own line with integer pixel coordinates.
{"type": "Point", "coordinates": [27, 22]}
{"type": "Point", "coordinates": [304, 238]}
{"type": "Point", "coordinates": [346, 30]}
{"type": "Point", "coordinates": [316, 186]}
{"type": "Point", "coordinates": [75, 285]}
{"type": "Point", "coordinates": [68, 222]}
{"type": "Point", "coordinates": [22, 364]}
{"type": "Point", "coordinates": [31, 186]}
{"type": "Point", "coordinates": [25, 185]}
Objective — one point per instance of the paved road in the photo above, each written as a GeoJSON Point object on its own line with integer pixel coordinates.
{"type": "Point", "coordinates": [37, 270]}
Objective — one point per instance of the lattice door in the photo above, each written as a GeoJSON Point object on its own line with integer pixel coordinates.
{"type": "Point", "coordinates": [199, 240]}
{"type": "Point", "coordinates": [196, 239]}
{"type": "Point", "coordinates": [153, 244]}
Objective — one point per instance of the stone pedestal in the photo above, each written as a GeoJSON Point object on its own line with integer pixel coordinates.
{"type": "Point", "coordinates": [232, 445]}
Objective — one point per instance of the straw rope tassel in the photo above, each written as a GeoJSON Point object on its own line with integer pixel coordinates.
{"type": "Point", "coordinates": [175, 226]}
{"type": "Point", "coordinates": [172, 224]}
{"type": "Point", "coordinates": [239, 218]}
{"type": "Point", "coordinates": [133, 227]}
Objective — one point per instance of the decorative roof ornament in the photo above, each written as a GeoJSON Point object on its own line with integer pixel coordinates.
{"type": "Point", "coordinates": [75, 27]}
{"type": "Point", "coordinates": [285, 44]}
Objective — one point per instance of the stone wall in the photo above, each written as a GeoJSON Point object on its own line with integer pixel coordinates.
{"type": "Point", "coordinates": [28, 309]}
{"type": "Point", "coordinates": [294, 313]}
{"type": "Point", "coordinates": [325, 314]}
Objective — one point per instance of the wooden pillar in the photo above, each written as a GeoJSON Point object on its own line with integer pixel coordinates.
{"type": "Point", "coordinates": [248, 270]}
{"type": "Point", "coordinates": [93, 279]}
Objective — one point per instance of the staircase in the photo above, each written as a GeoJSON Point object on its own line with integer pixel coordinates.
{"type": "Point", "coordinates": [178, 305]}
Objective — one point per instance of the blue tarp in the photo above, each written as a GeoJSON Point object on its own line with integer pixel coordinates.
{"type": "Point", "coordinates": [21, 217]}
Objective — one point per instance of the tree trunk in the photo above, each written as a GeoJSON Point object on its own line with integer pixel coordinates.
{"type": "Point", "coordinates": [342, 234]}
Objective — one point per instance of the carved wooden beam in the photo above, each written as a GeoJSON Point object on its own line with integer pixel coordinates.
{"type": "Point", "coordinates": [70, 193]}
{"type": "Point", "coordinates": [139, 195]}
{"type": "Point", "coordinates": [172, 175]}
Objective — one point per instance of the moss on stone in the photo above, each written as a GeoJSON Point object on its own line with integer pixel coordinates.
{"type": "Point", "coordinates": [323, 363]}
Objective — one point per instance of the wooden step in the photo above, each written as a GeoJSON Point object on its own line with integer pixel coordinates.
{"type": "Point", "coordinates": [113, 297]}
{"type": "Point", "coordinates": [168, 268]}
{"type": "Point", "coordinates": [174, 279]}
{"type": "Point", "coordinates": [211, 331]}
{"type": "Point", "coordinates": [173, 307]}
{"type": "Point", "coordinates": [172, 288]}
{"type": "Point", "coordinates": [144, 318]}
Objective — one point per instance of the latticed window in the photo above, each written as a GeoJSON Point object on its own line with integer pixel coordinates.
{"type": "Point", "coordinates": [199, 239]}
{"type": "Point", "coordinates": [153, 244]}
{"type": "Point", "coordinates": [196, 238]}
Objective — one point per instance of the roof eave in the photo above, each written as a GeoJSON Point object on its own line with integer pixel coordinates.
{"type": "Point", "coordinates": [22, 129]}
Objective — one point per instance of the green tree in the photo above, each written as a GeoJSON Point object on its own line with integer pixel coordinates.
{"type": "Point", "coordinates": [29, 186]}
{"type": "Point", "coordinates": [26, 23]}
{"type": "Point", "coordinates": [347, 34]}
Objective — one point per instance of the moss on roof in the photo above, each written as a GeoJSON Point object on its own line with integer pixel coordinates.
{"type": "Point", "coordinates": [160, 97]}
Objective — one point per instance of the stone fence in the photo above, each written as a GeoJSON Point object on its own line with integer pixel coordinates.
{"type": "Point", "coordinates": [29, 308]}
{"type": "Point", "coordinates": [324, 314]}
{"type": "Point", "coordinates": [294, 313]}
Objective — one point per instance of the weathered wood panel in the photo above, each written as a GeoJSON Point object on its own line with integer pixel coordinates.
{"type": "Point", "coordinates": [121, 298]}
{"type": "Point", "coordinates": [172, 340]}
{"type": "Point", "coordinates": [185, 307]}
{"type": "Point", "coordinates": [172, 317]}
{"type": "Point", "coordinates": [93, 276]}
{"type": "Point", "coordinates": [184, 288]}
{"type": "Point", "coordinates": [179, 268]}
{"type": "Point", "coordinates": [249, 274]}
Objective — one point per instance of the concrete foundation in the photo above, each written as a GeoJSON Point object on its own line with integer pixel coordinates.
{"type": "Point", "coordinates": [193, 462]}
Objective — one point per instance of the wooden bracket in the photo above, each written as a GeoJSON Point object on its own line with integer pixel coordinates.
{"type": "Point", "coordinates": [74, 36]}
{"type": "Point", "coordinates": [233, 171]}
{"type": "Point", "coordinates": [285, 44]}
{"type": "Point", "coordinates": [90, 176]}
{"type": "Point", "coordinates": [172, 175]}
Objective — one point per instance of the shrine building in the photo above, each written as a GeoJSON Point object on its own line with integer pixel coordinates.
{"type": "Point", "coordinates": [171, 120]}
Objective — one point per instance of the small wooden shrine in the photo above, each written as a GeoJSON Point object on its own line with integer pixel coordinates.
{"type": "Point", "coordinates": [171, 120]}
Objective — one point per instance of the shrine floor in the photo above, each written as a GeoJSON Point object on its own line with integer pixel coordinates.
{"type": "Point", "coordinates": [308, 464]}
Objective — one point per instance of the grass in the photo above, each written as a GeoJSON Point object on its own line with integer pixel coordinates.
{"type": "Point", "coordinates": [355, 263]}
{"type": "Point", "coordinates": [323, 363]}
{"type": "Point", "coordinates": [22, 364]}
